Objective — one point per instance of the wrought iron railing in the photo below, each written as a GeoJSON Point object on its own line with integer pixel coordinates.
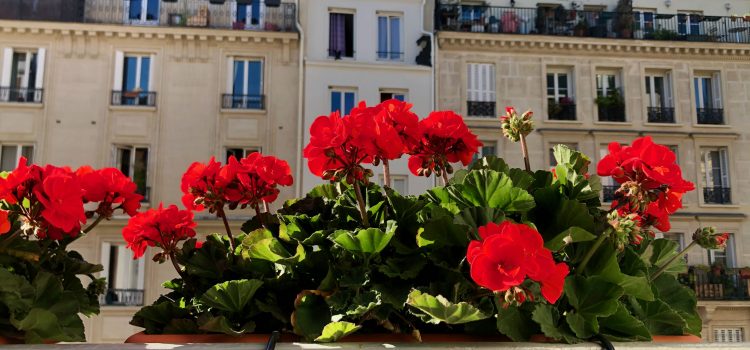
{"type": "Point", "coordinates": [713, 116]}
{"type": "Point", "coordinates": [481, 109]}
{"type": "Point", "coordinates": [134, 98]}
{"type": "Point", "coordinates": [21, 95]}
{"type": "Point", "coordinates": [661, 115]}
{"type": "Point", "coordinates": [718, 283]}
{"type": "Point", "coordinates": [269, 16]}
{"type": "Point", "coordinates": [231, 101]}
{"type": "Point", "coordinates": [546, 20]}
{"type": "Point", "coordinates": [122, 297]}
{"type": "Point", "coordinates": [611, 113]}
{"type": "Point", "coordinates": [608, 192]}
{"type": "Point", "coordinates": [561, 111]}
{"type": "Point", "coordinates": [717, 195]}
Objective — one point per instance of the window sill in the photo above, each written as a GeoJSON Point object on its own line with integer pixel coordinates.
{"type": "Point", "coordinates": [242, 111]}
{"type": "Point", "coordinates": [354, 58]}
{"type": "Point", "coordinates": [133, 108]}
{"type": "Point", "coordinates": [712, 126]}
{"type": "Point", "coordinates": [719, 206]}
{"type": "Point", "coordinates": [627, 123]}
{"type": "Point", "coordinates": [30, 105]}
{"type": "Point", "coordinates": [556, 121]}
{"type": "Point", "coordinates": [670, 125]}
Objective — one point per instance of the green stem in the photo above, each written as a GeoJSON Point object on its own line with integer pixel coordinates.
{"type": "Point", "coordinates": [223, 216]}
{"type": "Point", "coordinates": [525, 151]}
{"type": "Point", "coordinates": [386, 174]}
{"type": "Point", "coordinates": [91, 227]}
{"type": "Point", "coordinates": [591, 252]}
{"type": "Point", "coordinates": [176, 266]}
{"type": "Point", "coordinates": [672, 260]}
{"type": "Point", "coordinates": [361, 203]}
{"type": "Point", "coordinates": [445, 178]}
{"type": "Point", "coordinates": [10, 238]}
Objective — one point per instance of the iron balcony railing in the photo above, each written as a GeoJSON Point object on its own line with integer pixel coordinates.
{"type": "Point", "coordinates": [611, 113]}
{"type": "Point", "coordinates": [481, 109]}
{"type": "Point", "coordinates": [718, 283]}
{"type": "Point", "coordinates": [713, 116]}
{"type": "Point", "coordinates": [122, 297]}
{"type": "Point", "coordinates": [134, 98]}
{"type": "Point", "coordinates": [546, 20]}
{"type": "Point", "coordinates": [46, 10]}
{"type": "Point", "coordinates": [231, 101]}
{"type": "Point", "coordinates": [661, 115]}
{"type": "Point", "coordinates": [560, 111]}
{"type": "Point", "coordinates": [608, 192]}
{"type": "Point", "coordinates": [717, 195]}
{"type": "Point", "coordinates": [21, 95]}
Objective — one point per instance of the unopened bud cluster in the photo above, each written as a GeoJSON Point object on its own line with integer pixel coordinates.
{"type": "Point", "coordinates": [708, 238]}
{"type": "Point", "coordinates": [515, 126]}
{"type": "Point", "coordinates": [627, 228]}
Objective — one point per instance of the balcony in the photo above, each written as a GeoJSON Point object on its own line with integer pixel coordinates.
{"type": "Point", "coordinates": [561, 111]}
{"type": "Point", "coordinates": [272, 15]}
{"type": "Point", "coordinates": [717, 195]}
{"type": "Point", "coordinates": [122, 297]}
{"type": "Point", "coordinates": [611, 113]}
{"type": "Point", "coordinates": [710, 116]}
{"type": "Point", "coordinates": [718, 283]}
{"type": "Point", "coordinates": [481, 109]}
{"type": "Point", "coordinates": [21, 95]}
{"type": "Point", "coordinates": [608, 192]}
{"type": "Point", "coordinates": [231, 101]}
{"type": "Point", "coordinates": [663, 115]}
{"type": "Point", "coordinates": [559, 21]}
{"type": "Point", "coordinates": [134, 98]}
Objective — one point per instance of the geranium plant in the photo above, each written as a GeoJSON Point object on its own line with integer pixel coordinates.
{"type": "Point", "coordinates": [42, 211]}
{"type": "Point", "coordinates": [495, 250]}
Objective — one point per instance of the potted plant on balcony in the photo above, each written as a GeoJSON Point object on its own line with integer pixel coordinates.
{"type": "Point", "coordinates": [611, 106]}
{"type": "Point", "coordinates": [581, 28]}
{"type": "Point", "coordinates": [42, 211]}
{"type": "Point", "coordinates": [625, 19]}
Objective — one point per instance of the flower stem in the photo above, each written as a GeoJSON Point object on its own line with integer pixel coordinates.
{"type": "Point", "coordinates": [386, 174]}
{"type": "Point", "coordinates": [257, 214]}
{"type": "Point", "coordinates": [445, 177]}
{"type": "Point", "coordinates": [361, 202]}
{"type": "Point", "coordinates": [525, 151]}
{"type": "Point", "coordinates": [223, 216]}
{"type": "Point", "coordinates": [96, 222]}
{"type": "Point", "coordinates": [176, 266]}
{"type": "Point", "coordinates": [591, 252]}
{"type": "Point", "coordinates": [266, 207]}
{"type": "Point", "coordinates": [672, 260]}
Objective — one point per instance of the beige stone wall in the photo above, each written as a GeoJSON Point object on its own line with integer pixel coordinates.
{"type": "Point", "coordinates": [521, 65]}
{"type": "Point", "coordinates": [76, 124]}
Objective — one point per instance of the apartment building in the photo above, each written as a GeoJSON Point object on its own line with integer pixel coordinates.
{"type": "Point", "coordinates": [148, 87]}
{"type": "Point", "coordinates": [600, 71]}
{"type": "Point", "coordinates": [371, 51]}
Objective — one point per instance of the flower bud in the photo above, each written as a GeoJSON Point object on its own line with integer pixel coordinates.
{"type": "Point", "coordinates": [707, 238]}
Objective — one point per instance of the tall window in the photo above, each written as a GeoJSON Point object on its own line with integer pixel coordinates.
{"type": "Point", "coordinates": [689, 23]}
{"type": "Point", "coordinates": [240, 152]}
{"type": "Point", "coordinates": [142, 11]}
{"type": "Point", "coordinates": [387, 94]}
{"type": "Point", "coordinates": [343, 100]}
{"type": "Point", "coordinates": [489, 149]}
{"type": "Point", "coordinates": [248, 14]}
{"type": "Point", "coordinates": [723, 257]}
{"type": "Point", "coordinates": [659, 97]}
{"type": "Point", "coordinates": [341, 35]}
{"type": "Point", "coordinates": [133, 162]}
{"type": "Point", "coordinates": [609, 100]}
{"type": "Point", "coordinates": [644, 23]}
{"type": "Point", "coordinates": [389, 37]}
{"type": "Point", "coordinates": [246, 85]}
{"type": "Point", "coordinates": [11, 154]}
{"type": "Point", "coordinates": [560, 103]}
{"type": "Point", "coordinates": [480, 90]}
{"type": "Point", "coordinates": [729, 335]}
{"type": "Point", "coordinates": [708, 104]}
{"type": "Point", "coordinates": [715, 175]}
{"type": "Point", "coordinates": [133, 80]}
{"type": "Point", "coordinates": [22, 75]}
{"type": "Point", "coordinates": [124, 275]}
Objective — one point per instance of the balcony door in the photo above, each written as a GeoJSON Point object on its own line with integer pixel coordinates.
{"type": "Point", "coordinates": [715, 175]}
{"type": "Point", "coordinates": [248, 14]}
{"type": "Point", "coordinates": [125, 276]}
{"type": "Point", "coordinates": [142, 12]}
{"type": "Point", "coordinates": [22, 75]}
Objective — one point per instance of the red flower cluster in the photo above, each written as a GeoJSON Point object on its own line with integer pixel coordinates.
{"type": "Point", "coordinates": [509, 253]}
{"type": "Point", "coordinates": [445, 139]}
{"type": "Point", "coordinates": [56, 197]}
{"type": "Point", "coordinates": [247, 182]}
{"type": "Point", "coordinates": [652, 183]}
{"type": "Point", "coordinates": [158, 227]}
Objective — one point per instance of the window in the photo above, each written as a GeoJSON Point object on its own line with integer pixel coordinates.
{"type": "Point", "coordinates": [248, 14]}
{"type": "Point", "coordinates": [142, 11]}
{"type": "Point", "coordinates": [389, 37]}
{"type": "Point", "coordinates": [715, 175]}
{"type": "Point", "coordinates": [560, 103]}
{"type": "Point", "coordinates": [400, 183]}
{"type": "Point", "coordinates": [124, 275]}
{"type": "Point", "coordinates": [689, 23]}
{"type": "Point", "coordinates": [245, 84]}
{"type": "Point", "coordinates": [659, 97]}
{"type": "Point", "coordinates": [676, 150]}
{"type": "Point", "coordinates": [609, 100]}
{"type": "Point", "coordinates": [708, 98]}
{"type": "Point", "coordinates": [133, 162]}
{"type": "Point", "coordinates": [644, 23]}
{"type": "Point", "coordinates": [480, 92]}
{"type": "Point", "coordinates": [607, 83]}
{"type": "Point", "coordinates": [489, 149]}
{"type": "Point", "coordinates": [552, 160]}
{"type": "Point", "coordinates": [729, 335]}
{"type": "Point", "coordinates": [239, 152]}
{"type": "Point", "coordinates": [343, 100]}
{"type": "Point", "coordinates": [133, 80]}
{"type": "Point", "coordinates": [723, 257]}
{"type": "Point", "coordinates": [341, 35]}
{"type": "Point", "coordinates": [386, 95]}
{"type": "Point", "coordinates": [22, 75]}
{"type": "Point", "coordinates": [11, 154]}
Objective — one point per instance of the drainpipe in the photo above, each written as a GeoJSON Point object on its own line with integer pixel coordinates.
{"type": "Point", "coordinates": [300, 101]}
{"type": "Point", "coordinates": [433, 57]}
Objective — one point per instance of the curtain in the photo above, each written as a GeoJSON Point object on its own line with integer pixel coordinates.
{"type": "Point", "coordinates": [337, 35]}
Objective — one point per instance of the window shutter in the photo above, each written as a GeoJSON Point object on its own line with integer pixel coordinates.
{"type": "Point", "coordinates": [119, 62]}
{"type": "Point", "coordinates": [668, 95]}
{"type": "Point", "coordinates": [234, 11]}
{"type": "Point", "coordinates": [151, 68]}
{"type": "Point", "coordinates": [38, 84]}
{"type": "Point", "coordinates": [716, 90]}
{"type": "Point", "coordinates": [471, 82]}
{"type": "Point", "coordinates": [491, 80]}
{"type": "Point", "coordinates": [5, 79]}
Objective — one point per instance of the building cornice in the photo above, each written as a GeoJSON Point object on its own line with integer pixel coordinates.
{"type": "Point", "coordinates": [362, 65]}
{"type": "Point", "coordinates": [576, 46]}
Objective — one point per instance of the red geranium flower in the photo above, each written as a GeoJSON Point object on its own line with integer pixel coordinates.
{"type": "Point", "coordinates": [508, 254]}
{"type": "Point", "coordinates": [339, 146]}
{"type": "Point", "coordinates": [203, 187]}
{"type": "Point", "coordinates": [4, 222]}
{"type": "Point", "coordinates": [62, 199]}
{"type": "Point", "coordinates": [158, 227]}
{"type": "Point", "coordinates": [111, 189]}
{"type": "Point", "coordinates": [445, 139]}
{"type": "Point", "coordinates": [399, 115]}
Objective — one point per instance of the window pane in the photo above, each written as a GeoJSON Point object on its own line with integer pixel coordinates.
{"type": "Point", "coordinates": [707, 98]}
{"type": "Point", "coordinates": [8, 156]}
{"type": "Point", "coordinates": [241, 13]}
{"type": "Point", "coordinates": [385, 96]}
{"type": "Point", "coordinates": [255, 71]}
{"type": "Point", "coordinates": [135, 9]}
{"type": "Point", "coordinates": [348, 102]}
{"type": "Point", "coordinates": [236, 152]}
{"type": "Point", "coordinates": [130, 69]}
{"type": "Point", "coordinates": [400, 97]}
{"type": "Point", "coordinates": [382, 37]}
{"type": "Point", "coordinates": [152, 12]}
{"type": "Point", "coordinates": [648, 85]}
{"type": "Point", "coordinates": [395, 38]}
{"type": "Point", "coordinates": [336, 101]}
{"type": "Point", "coordinates": [255, 12]}
{"type": "Point", "coordinates": [28, 153]}
{"type": "Point", "coordinates": [659, 91]}
{"type": "Point", "coordinates": [349, 35]}
{"type": "Point", "coordinates": [140, 170]}
{"type": "Point", "coordinates": [31, 84]}
{"type": "Point", "coordinates": [400, 185]}
{"type": "Point", "coordinates": [123, 160]}
{"type": "Point", "coordinates": [238, 84]}
{"type": "Point", "coordinates": [145, 72]}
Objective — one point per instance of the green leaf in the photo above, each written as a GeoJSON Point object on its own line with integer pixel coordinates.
{"type": "Point", "coordinates": [605, 264]}
{"type": "Point", "coordinates": [15, 291]}
{"type": "Point", "coordinates": [622, 326]}
{"type": "Point", "coordinates": [363, 303]}
{"type": "Point", "coordinates": [337, 330]}
{"type": "Point", "coordinates": [488, 188]}
{"type": "Point", "coordinates": [548, 319]}
{"type": "Point", "coordinates": [311, 315]}
{"type": "Point", "coordinates": [442, 310]}
{"type": "Point", "coordinates": [402, 267]}
{"type": "Point", "coordinates": [328, 191]}
{"type": "Point", "coordinates": [571, 235]}
{"type": "Point", "coordinates": [661, 319]}
{"type": "Point", "coordinates": [515, 323]}
{"type": "Point", "coordinates": [582, 326]}
{"type": "Point", "coordinates": [592, 296]}
{"type": "Point", "coordinates": [441, 230]}
{"type": "Point", "coordinates": [554, 214]}
{"type": "Point", "coordinates": [260, 244]}
{"type": "Point", "coordinates": [681, 299]}
{"type": "Point", "coordinates": [220, 324]}
{"type": "Point", "coordinates": [662, 250]}
{"type": "Point", "coordinates": [231, 296]}
{"type": "Point", "coordinates": [155, 317]}
{"type": "Point", "coordinates": [366, 241]}
{"type": "Point", "coordinates": [491, 163]}
{"type": "Point", "coordinates": [39, 325]}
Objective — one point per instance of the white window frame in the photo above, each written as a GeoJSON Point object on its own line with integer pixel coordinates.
{"type": "Point", "coordinates": [246, 150]}
{"type": "Point", "coordinates": [389, 45]}
{"type": "Point", "coordinates": [19, 152]}
{"type": "Point", "coordinates": [730, 334]}
{"type": "Point", "coordinates": [394, 178]}
{"type": "Point", "coordinates": [667, 88]}
{"type": "Point", "coordinates": [556, 73]}
{"type": "Point", "coordinates": [343, 91]}
{"type": "Point", "coordinates": [7, 71]}
{"type": "Point", "coordinates": [345, 11]}
{"type": "Point", "coordinates": [246, 81]}
{"type": "Point", "coordinates": [120, 73]}
{"type": "Point", "coordinates": [480, 82]}
{"type": "Point", "coordinates": [600, 78]}
{"type": "Point", "coordinates": [249, 13]}
{"type": "Point", "coordinates": [707, 179]}
{"type": "Point", "coordinates": [715, 83]}
{"type": "Point", "coordinates": [144, 13]}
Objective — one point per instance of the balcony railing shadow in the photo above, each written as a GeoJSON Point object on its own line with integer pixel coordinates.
{"type": "Point", "coordinates": [480, 109]}
{"type": "Point", "coordinates": [560, 111]}
{"type": "Point", "coordinates": [134, 98]}
{"type": "Point", "coordinates": [711, 116]}
{"type": "Point", "coordinates": [231, 101]}
{"type": "Point", "coordinates": [717, 195]}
